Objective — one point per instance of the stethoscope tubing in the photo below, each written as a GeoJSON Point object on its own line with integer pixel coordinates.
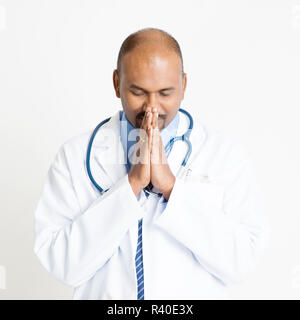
{"type": "Point", "coordinates": [184, 137]}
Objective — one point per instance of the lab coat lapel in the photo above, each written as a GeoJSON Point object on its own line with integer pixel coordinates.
{"type": "Point", "coordinates": [108, 154]}
{"type": "Point", "coordinates": [180, 148]}
{"type": "Point", "coordinates": [109, 160]}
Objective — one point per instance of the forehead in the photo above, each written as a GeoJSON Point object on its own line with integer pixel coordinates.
{"type": "Point", "coordinates": [151, 68]}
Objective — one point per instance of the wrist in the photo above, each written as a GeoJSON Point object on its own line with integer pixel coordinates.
{"type": "Point", "coordinates": [135, 185]}
{"type": "Point", "coordinates": [167, 191]}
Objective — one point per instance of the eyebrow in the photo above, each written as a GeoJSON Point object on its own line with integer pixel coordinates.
{"type": "Point", "coordinates": [133, 86]}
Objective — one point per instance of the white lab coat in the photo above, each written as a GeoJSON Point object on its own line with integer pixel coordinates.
{"type": "Point", "coordinates": [211, 234]}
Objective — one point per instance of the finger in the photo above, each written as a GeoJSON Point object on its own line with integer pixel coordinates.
{"type": "Point", "coordinates": [144, 125]}
{"type": "Point", "coordinates": [143, 142]}
{"type": "Point", "coordinates": [155, 147]}
{"type": "Point", "coordinates": [145, 117]}
{"type": "Point", "coordinates": [147, 125]}
{"type": "Point", "coordinates": [155, 118]}
{"type": "Point", "coordinates": [149, 129]}
{"type": "Point", "coordinates": [141, 146]}
{"type": "Point", "coordinates": [150, 137]}
{"type": "Point", "coordinates": [149, 117]}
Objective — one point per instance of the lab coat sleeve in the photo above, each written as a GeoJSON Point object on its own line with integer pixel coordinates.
{"type": "Point", "coordinates": [72, 245]}
{"type": "Point", "coordinates": [223, 226]}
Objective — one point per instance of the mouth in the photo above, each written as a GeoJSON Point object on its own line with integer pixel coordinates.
{"type": "Point", "coordinates": [161, 120]}
{"type": "Point", "coordinates": [140, 116]}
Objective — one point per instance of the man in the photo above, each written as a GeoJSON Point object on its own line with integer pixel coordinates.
{"type": "Point", "coordinates": [152, 234]}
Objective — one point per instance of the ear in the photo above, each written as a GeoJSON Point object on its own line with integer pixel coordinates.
{"type": "Point", "coordinates": [116, 82]}
{"type": "Point", "coordinates": [184, 82]}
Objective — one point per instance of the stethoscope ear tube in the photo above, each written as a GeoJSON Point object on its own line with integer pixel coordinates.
{"type": "Point", "coordinates": [191, 126]}
{"type": "Point", "coordinates": [185, 137]}
{"type": "Point", "coordinates": [88, 155]}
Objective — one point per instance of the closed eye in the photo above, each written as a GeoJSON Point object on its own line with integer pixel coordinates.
{"type": "Point", "coordinates": [164, 94]}
{"type": "Point", "coordinates": [137, 94]}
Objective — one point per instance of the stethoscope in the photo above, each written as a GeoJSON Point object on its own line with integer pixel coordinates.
{"type": "Point", "coordinates": [185, 137]}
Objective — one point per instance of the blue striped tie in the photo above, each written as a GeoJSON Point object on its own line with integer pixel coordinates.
{"type": "Point", "coordinates": [139, 251]}
{"type": "Point", "coordinates": [139, 264]}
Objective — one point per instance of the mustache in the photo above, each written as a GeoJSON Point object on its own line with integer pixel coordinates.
{"type": "Point", "coordinates": [141, 115]}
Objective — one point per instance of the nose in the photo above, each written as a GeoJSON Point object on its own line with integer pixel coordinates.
{"type": "Point", "coordinates": [152, 102]}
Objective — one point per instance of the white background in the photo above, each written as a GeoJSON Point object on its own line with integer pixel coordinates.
{"type": "Point", "coordinates": [242, 59]}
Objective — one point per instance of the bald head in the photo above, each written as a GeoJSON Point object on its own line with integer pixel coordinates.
{"type": "Point", "coordinates": [149, 41]}
{"type": "Point", "coordinates": [150, 74]}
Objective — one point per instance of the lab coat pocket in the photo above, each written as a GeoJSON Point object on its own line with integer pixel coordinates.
{"type": "Point", "coordinates": [207, 192]}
